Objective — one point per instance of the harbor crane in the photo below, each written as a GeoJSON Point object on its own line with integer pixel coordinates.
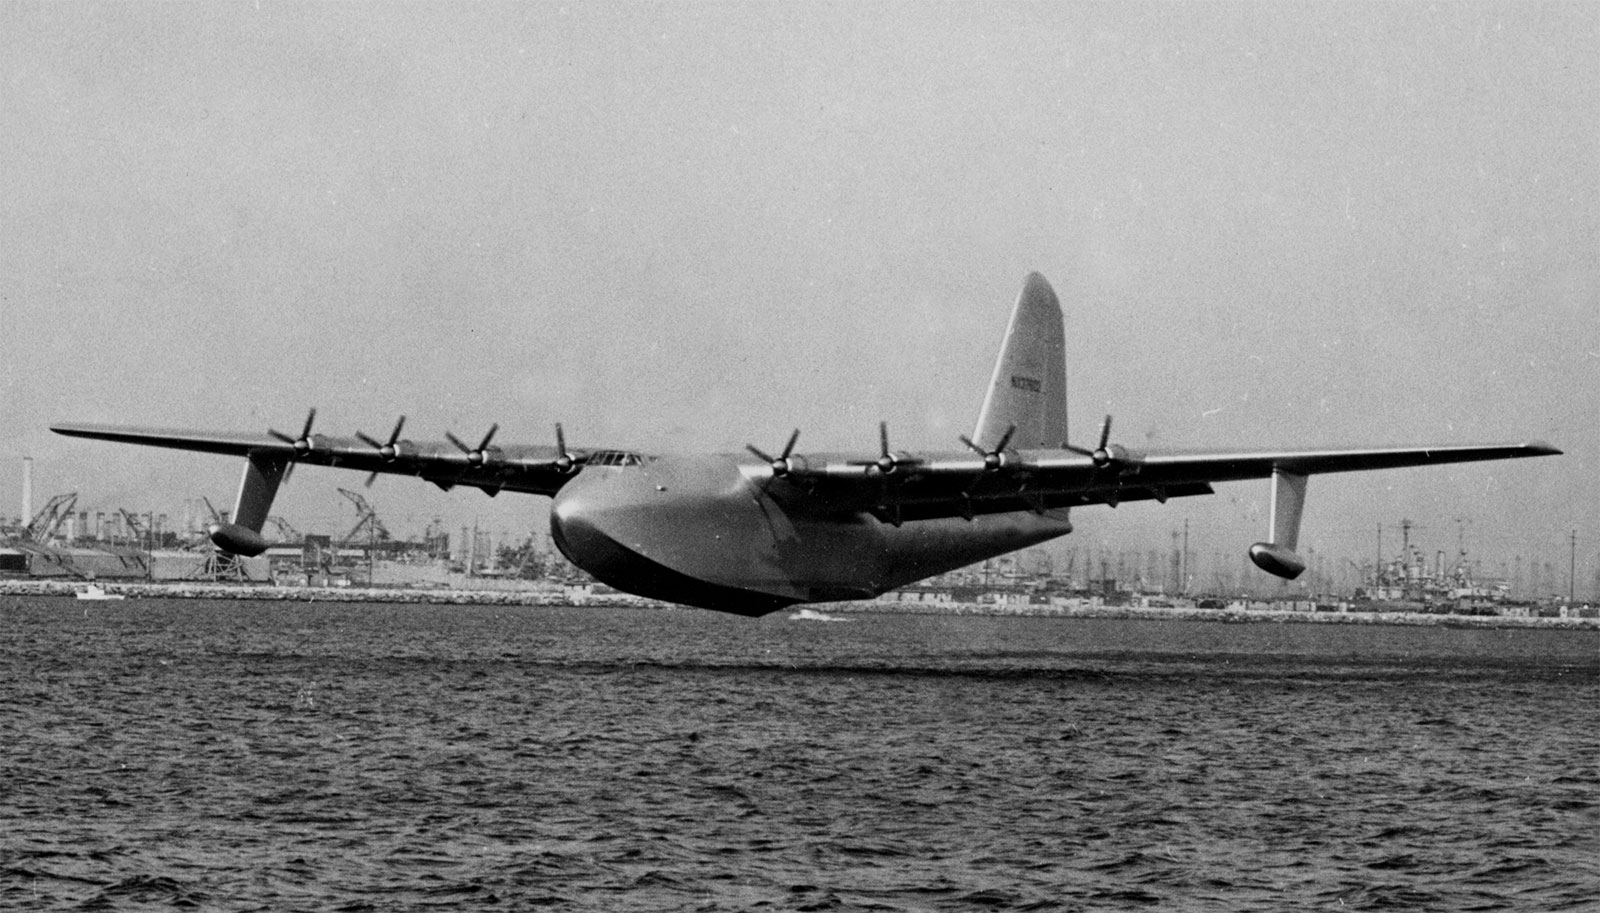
{"type": "Point", "coordinates": [44, 524]}
{"type": "Point", "coordinates": [288, 533]}
{"type": "Point", "coordinates": [135, 528]}
{"type": "Point", "coordinates": [367, 522]}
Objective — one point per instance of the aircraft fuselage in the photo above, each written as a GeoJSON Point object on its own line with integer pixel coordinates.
{"type": "Point", "coordinates": [710, 531]}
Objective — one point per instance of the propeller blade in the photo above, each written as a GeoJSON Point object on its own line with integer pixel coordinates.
{"type": "Point", "coordinates": [388, 451]}
{"type": "Point", "coordinates": [888, 461]}
{"type": "Point", "coordinates": [564, 459]}
{"type": "Point", "coordinates": [780, 464]}
{"type": "Point", "coordinates": [484, 444]}
{"type": "Point", "coordinates": [301, 444]}
{"type": "Point", "coordinates": [992, 459]}
{"type": "Point", "coordinates": [475, 455]}
{"type": "Point", "coordinates": [1101, 454]}
{"type": "Point", "coordinates": [1005, 439]}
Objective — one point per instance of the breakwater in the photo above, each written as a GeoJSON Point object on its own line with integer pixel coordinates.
{"type": "Point", "coordinates": [576, 596]}
{"type": "Point", "coordinates": [267, 593]}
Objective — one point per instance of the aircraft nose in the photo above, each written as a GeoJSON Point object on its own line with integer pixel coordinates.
{"type": "Point", "coordinates": [579, 527]}
{"type": "Point", "coordinates": [575, 533]}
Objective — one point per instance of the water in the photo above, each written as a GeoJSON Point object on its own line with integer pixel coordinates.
{"type": "Point", "coordinates": [249, 756]}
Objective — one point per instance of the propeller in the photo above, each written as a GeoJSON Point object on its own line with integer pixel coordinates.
{"type": "Point", "coordinates": [887, 464]}
{"type": "Point", "coordinates": [993, 461]}
{"type": "Point", "coordinates": [887, 461]}
{"type": "Point", "coordinates": [476, 456]}
{"type": "Point", "coordinates": [1104, 454]}
{"type": "Point", "coordinates": [996, 458]}
{"type": "Point", "coordinates": [565, 461]}
{"type": "Point", "coordinates": [302, 445]}
{"type": "Point", "coordinates": [780, 464]}
{"type": "Point", "coordinates": [388, 451]}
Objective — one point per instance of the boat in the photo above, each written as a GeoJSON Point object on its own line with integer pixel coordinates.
{"type": "Point", "coordinates": [97, 593]}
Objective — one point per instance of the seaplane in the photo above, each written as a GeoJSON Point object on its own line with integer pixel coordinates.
{"type": "Point", "coordinates": [754, 532]}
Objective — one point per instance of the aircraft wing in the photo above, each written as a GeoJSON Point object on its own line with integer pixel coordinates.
{"type": "Point", "coordinates": [915, 488]}
{"type": "Point", "coordinates": [1234, 466]}
{"type": "Point", "coordinates": [537, 469]}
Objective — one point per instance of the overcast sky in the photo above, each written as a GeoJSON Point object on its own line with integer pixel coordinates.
{"type": "Point", "coordinates": [696, 226]}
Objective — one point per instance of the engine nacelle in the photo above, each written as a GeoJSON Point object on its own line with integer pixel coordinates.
{"type": "Point", "coordinates": [238, 540]}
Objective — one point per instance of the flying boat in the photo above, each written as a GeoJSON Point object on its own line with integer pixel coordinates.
{"type": "Point", "coordinates": [757, 531]}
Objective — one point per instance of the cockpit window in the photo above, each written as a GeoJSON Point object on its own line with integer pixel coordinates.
{"type": "Point", "coordinates": [613, 458]}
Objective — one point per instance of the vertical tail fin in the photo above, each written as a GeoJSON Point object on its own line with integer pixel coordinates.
{"type": "Point", "coordinates": [1029, 386]}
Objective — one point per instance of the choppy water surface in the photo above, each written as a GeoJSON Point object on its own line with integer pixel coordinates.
{"type": "Point", "coordinates": [247, 756]}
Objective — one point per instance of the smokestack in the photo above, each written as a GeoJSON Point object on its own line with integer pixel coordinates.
{"type": "Point", "coordinates": [27, 490]}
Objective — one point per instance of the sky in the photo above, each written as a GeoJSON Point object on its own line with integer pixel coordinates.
{"type": "Point", "coordinates": [691, 227]}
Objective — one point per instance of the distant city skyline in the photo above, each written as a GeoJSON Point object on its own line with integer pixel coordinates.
{"type": "Point", "coordinates": [1203, 564]}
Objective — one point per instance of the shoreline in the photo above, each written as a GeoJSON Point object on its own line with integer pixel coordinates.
{"type": "Point", "coordinates": [562, 597]}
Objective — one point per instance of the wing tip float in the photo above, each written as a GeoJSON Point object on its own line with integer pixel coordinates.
{"type": "Point", "coordinates": [752, 534]}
